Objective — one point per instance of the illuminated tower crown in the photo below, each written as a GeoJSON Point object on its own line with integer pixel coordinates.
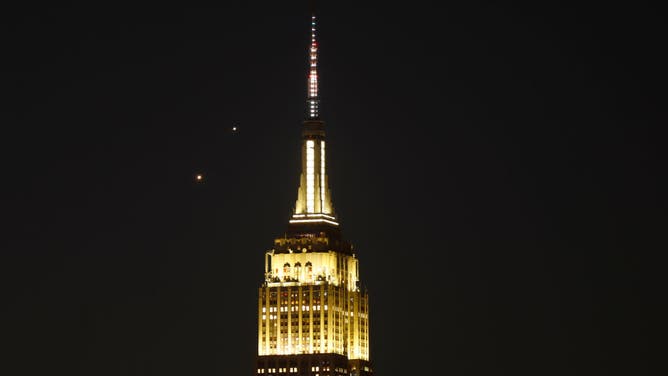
{"type": "Point", "coordinates": [313, 315]}
{"type": "Point", "coordinates": [314, 203]}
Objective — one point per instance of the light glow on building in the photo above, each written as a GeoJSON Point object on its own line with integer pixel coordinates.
{"type": "Point", "coordinates": [322, 173]}
{"type": "Point", "coordinates": [314, 221]}
{"type": "Point", "coordinates": [320, 307]}
{"type": "Point", "coordinates": [310, 176]}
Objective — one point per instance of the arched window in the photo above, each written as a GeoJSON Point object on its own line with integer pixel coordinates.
{"type": "Point", "coordinates": [298, 269]}
{"type": "Point", "coordinates": [309, 270]}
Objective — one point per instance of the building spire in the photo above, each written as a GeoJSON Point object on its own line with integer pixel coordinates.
{"type": "Point", "coordinates": [313, 101]}
{"type": "Point", "coordinates": [314, 202]}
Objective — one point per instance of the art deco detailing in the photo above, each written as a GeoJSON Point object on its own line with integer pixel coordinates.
{"type": "Point", "coordinates": [311, 301]}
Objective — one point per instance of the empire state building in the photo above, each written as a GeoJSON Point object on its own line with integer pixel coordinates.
{"type": "Point", "coordinates": [313, 314]}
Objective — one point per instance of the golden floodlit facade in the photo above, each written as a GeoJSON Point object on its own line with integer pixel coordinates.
{"type": "Point", "coordinates": [313, 314]}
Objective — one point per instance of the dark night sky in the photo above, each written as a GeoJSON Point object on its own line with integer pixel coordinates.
{"type": "Point", "coordinates": [497, 167]}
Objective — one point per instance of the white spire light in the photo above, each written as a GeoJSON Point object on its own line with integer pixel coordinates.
{"type": "Point", "coordinates": [313, 99]}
